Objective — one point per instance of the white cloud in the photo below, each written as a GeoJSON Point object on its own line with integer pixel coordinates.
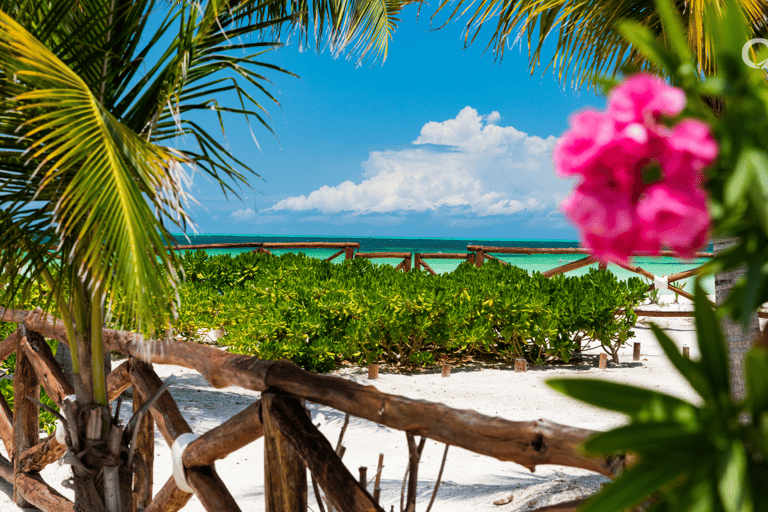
{"type": "Point", "coordinates": [243, 215]}
{"type": "Point", "coordinates": [467, 164]}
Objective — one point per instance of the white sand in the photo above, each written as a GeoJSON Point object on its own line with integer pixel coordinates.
{"type": "Point", "coordinates": [470, 481]}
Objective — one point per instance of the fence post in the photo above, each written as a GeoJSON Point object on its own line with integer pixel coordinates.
{"type": "Point", "coordinates": [417, 261]}
{"type": "Point", "coordinates": [349, 253]}
{"type": "Point", "coordinates": [479, 258]}
{"type": "Point", "coordinates": [407, 263]}
{"type": "Point", "coordinates": [285, 474]}
{"type": "Point", "coordinates": [26, 413]}
{"type": "Point", "coordinates": [143, 475]}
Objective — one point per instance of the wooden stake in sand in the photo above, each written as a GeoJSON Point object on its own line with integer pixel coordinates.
{"type": "Point", "coordinates": [446, 370]}
{"type": "Point", "coordinates": [363, 476]}
{"type": "Point", "coordinates": [686, 352]}
{"type": "Point", "coordinates": [373, 371]}
{"type": "Point", "coordinates": [377, 482]}
{"type": "Point", "coordinates": [521, 365]}
{"type": "Point", "coordinates": [636, 351]}
{"type": "Point", "coordinates": [603, 362]}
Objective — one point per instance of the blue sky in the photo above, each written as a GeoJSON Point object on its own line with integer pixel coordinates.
{"type": "Point", "coordinates": [440, 141]}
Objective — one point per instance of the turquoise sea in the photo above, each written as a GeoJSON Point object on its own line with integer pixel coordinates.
{"type": "Point", "coordinates": [541, 263]}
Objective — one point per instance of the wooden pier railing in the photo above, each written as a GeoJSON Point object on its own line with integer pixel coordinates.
{"type": "Point", "coordinates": [292, 442]}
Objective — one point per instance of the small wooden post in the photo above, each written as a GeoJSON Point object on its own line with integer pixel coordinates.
{"type": "Point", "coordinates": [479, 259]}
{"type": "Point", "coordinates": [145, 450]}
{"type": "Point", "coordinates": [471, 258]}
{"type": "Point", "coordinates": [407, 263]}
{"type": "Point", "coordinates": [26, 413]}
{"type": "Point", "coordinates": [373, 371]}
{"type": "Point", "coordinates": [417, 261]}
{"type": "Point", "coordinates": [686, 352]}
{"type": "Point", "coordinates": [446, 370]}
{"type": "Point", "coordinates": [363, 476]}
{"type": "Point", "coordinates": [285, 474]}
{"type": "Point", "coordinates": [377, 482]}
{"type": "Point", "coordinates": [521, 365]}
{"type": "Point", "coordinates": [603, 361]}
{"type": "Point", "coordinates": [636, 351]}
{"type": "Point", "coordinates": [349, 253]}
{"type": "Point", "coordinates": [602, 265]}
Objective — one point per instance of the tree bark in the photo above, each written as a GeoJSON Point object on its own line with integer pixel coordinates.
{"type": "Point", "coordinates": [738, 341]}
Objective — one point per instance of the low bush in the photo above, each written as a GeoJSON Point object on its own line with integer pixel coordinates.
{"type": "Point", "coordinates": [317, 314]}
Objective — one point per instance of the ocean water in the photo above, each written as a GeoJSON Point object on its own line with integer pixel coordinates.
{"type": "Point", "coordinates": [659, 266]}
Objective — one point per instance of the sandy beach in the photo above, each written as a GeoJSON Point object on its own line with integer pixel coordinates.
{"type": "Point", "coordinates": [469, 481]}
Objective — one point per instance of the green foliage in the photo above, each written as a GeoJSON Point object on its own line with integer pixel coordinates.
{"type": "Point", "coordinates": [709, 457]}
{"type": "Point", "coordinates": [317, 313]}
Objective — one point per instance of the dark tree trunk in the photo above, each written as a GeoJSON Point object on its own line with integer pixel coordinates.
{"type": "Point", "coordinates": [739, 341]}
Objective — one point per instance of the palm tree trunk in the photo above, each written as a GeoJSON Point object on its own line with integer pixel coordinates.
{"type": "Point", "coordinates": [738, 340]}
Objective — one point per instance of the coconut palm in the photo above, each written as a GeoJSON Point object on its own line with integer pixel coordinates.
{"type": "Point", "coordinates": [588, 44]}
{"type": "Point", "coordinates": [93, 93]}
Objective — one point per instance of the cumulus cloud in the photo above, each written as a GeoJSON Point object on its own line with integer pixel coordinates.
{"type": "Point", "coordinates": [243, 215]}
{"type": "Point", "coordinates": [467, 165]}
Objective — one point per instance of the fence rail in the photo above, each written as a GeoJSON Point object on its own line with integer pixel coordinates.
{"type": "Point", "coordinates": [292, 442]}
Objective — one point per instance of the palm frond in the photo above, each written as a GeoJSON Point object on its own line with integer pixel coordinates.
{"type": "Point", "coordinates": [107, 179]}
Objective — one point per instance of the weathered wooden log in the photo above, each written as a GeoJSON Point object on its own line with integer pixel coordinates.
{"type": "Point", "coordinates": [645, 273]}
{"type": "Point", "coordinates": [118, 381]}
{"type": "Point", "coordinates": [445, 370]}
{"type": "Point", "coordinates": [238, 431]}
{"type": "Point", "coordinates": [10, 344]}
{"type": "Point", "coordinates": [171, 425]}
{"type": "Point", "coordinates": [169, 499]}
{"type": "Point", "coordinates": [369, 255]}
{"type": "Point", "coordinates": [373, 371]}
{"type": "Point", "coordinates": [636, 351]}
{"type": "Point", "coordinates": [6, 425]}
{"type": "Point", "coordinates": [311, 245]}
{"type": "Point", "coordinates": [563, 250]}
{"type": "Point", "coordinates": [640, 312]}
{"type": "Point", "coordinates": [479, 257]}
{"type": "Point", "coordinates": [603, 361]}
{"type": "Point", "coordinates": [427, 267]}
{"type": "Point", "coordinates": [583, 262]}
{"type": "Point", "coordinates": [144, 458]}
{"type": "Point", "coordinates": [684, 275]}
{"type": "Point", "coordinates": [341, 488]}
{"type": "Point", "coordinates": [212, 492]}
{"type": "Point", "coordinates": [526, 443]}
{"type": "Point", "coordinates": [444, 255]}
{"type": "Point", "coordinates": [165, 412]}
{"type": "Point", "coordinates": [35, 490]}
{"type": "Point", "coordinates": [495, 258]}
{"type": "Point", "coordinates": [339, 253]}
{"type": "Point", "coordinates": [285, 473]}
{"type": "Point", "coordinates": [521, 365]}
{"type": "Point", "coordinates": [26, 413]}
{"type": "Point", "coordinates": [233, 245]}
{"type": "Point", "coordinates": [48, 371]}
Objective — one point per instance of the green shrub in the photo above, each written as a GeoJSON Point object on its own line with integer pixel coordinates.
{"type": "Point", "coordinates": [317, 314]}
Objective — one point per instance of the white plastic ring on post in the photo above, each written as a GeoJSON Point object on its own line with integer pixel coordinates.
{"type": "Point", "coordinates": [60, 434]}
{"type": "Point", "coordinates": [661, 283]}
{"type": "Point", "coordinates": [177, 450]}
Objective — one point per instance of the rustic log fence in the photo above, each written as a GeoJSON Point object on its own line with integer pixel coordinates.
{"type": "Point", "coordinates": [292, 443]}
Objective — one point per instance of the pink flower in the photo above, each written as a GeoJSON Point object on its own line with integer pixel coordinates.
{"type": "Point", "coordinates": [676, 217]}
{"type": "Point", "coordinates": [641, 181]}
{"type": "Point", "coordinates": [578, 148]}
{"type": "Point", "coordinates": [642, 98]}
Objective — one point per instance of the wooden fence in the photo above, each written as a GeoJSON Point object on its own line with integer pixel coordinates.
{"type": "Point", "coordinates": [291, 442]}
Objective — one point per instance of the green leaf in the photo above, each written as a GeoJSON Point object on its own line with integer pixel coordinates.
{"type": "Point", "coordinates": [714, 356]}
{"type": "Point", "coordinates": [732, 481]}
{"type": "Point", "coordinates": [636, 402]}
{"type": "Point", "coordinates": [635, 485]}
{"type": "Point", "coordinates": [662, 439]}
{"type": "Point", "coordinates": [687, 368]}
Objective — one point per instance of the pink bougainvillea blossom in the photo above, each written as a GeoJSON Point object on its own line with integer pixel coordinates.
{"type": "Point", "coordinates": [640, 188]}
